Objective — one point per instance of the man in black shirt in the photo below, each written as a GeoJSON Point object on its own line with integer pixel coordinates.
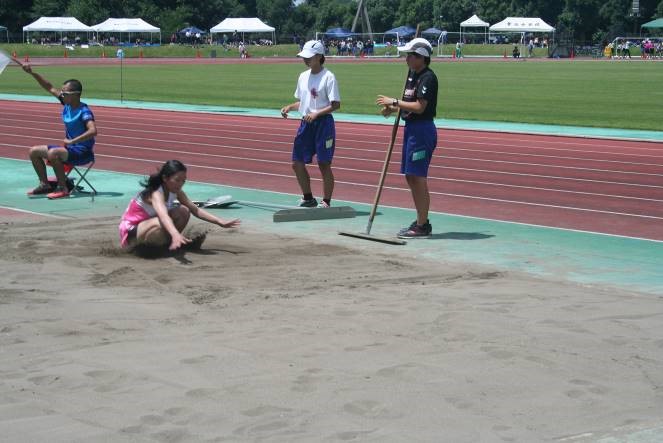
{"type": "Point", "coordinates": [418, 108]}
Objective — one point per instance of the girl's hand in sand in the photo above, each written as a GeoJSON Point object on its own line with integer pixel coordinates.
{"type": "Point", "coordinates": [178, 241]}
{"type": "Point", "coordinates": [230, 224]}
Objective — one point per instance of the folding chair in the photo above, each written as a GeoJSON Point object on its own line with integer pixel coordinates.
{"type": "Point", "coordinates": [81, 170]}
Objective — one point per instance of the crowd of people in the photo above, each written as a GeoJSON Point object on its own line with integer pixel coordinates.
{"type": "Point", "coordinates": [649, 49]}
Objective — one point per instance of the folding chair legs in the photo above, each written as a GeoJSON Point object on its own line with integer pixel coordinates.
{"type": "Point", "coordinates": [82, 179]}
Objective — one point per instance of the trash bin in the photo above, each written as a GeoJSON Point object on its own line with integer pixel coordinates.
{"type": "Point", "coordinates": [212, 53]}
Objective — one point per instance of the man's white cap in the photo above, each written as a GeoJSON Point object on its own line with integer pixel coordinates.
{"type": "Point", "coordinates": [419, 46]}
{"type": "Point", "coordinates": [311, 48]}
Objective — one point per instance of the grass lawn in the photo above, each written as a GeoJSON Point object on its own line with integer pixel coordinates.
{"type": "Point", "coordinates": [602, 94]}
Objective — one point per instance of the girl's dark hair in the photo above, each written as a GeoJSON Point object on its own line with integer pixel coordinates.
{"type": "Point", "coordinates": [322, 59]}
{"type": "Point", "coordinates": [154, 181]}
{"type": "Point", "coordinates": [427, 61]}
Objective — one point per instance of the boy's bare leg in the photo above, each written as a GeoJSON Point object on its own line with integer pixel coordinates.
{"type": "Point", "coordinates": [420, 195]}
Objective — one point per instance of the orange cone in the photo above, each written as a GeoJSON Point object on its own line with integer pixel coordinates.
{"type": "Point", "coordinates": [453, 53]}
{"type": "Point", "coordinates": [505, 53]}
{"type": "Point", "coordinates": [27, 58]}
{"type": "Point", "coordinates": [14, 54]}
{"type": "Point", "coordinates": [197, 53]}
{"type": "Point", "coordinates": [140, 54]}
{"type": "Point", "coordinates": [65, 54]}
{"type": "Point", "coordinates": [103, 54]}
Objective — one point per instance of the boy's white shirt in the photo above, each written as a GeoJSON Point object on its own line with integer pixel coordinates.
{"type": "Point", "coordinates": [325, 86]}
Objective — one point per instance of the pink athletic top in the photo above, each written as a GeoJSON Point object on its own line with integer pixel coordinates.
{"type": "Point", "coordinates": [138, 211]}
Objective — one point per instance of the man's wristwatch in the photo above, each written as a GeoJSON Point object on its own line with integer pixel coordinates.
{"type": "Point", "coordinates": [395, 102]}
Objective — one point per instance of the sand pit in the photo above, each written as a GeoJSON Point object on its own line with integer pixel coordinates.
{"type": "Point", "coordinates": [259, 337]}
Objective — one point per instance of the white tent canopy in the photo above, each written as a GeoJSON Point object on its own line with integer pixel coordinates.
{"type": "Point", "coordinates": [127, 25]}
{"type": "Point", "coordinates": [55, 24]}
{"type": "Point", "coordinates": [522, 24]}
{"type": "Point", "coordinates": [473, 22]}
{"type": "Point", "coordinates": [243, 25]}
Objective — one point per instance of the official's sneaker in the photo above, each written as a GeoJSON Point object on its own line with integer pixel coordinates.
{"type": "Point", "coordinates": [404, 230]}
{"type": "Point", "coordinates": [43, 188]}
{"type": "Point", "coordinates": [311, 203]}
{"type": "Point", "coordinates": [58, 193]}
{"type": "Point", "coordinates": [323, 204]}
{"type": "Point", "coordinates": [417, 231]}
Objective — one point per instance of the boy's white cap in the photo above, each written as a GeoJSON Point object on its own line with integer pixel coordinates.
{"type": "Point", "coordinates": [419, 46]}
{"type": "Point", "coordinates": [311, 48]}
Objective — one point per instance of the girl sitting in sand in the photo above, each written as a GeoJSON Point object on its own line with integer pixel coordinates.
{"type": "Point", "coordinates": [154, 217]}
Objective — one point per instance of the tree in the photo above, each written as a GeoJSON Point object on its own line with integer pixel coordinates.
{"type": "Point", "coordinates": [48, 8]}
{"type": "Point", "coordinates": [89, 12]}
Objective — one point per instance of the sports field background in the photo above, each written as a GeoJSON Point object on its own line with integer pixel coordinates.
{"type": "Point", "coordinates": [615, 94]}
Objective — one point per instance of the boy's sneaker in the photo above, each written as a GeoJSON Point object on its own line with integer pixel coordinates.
{"type": "Point", "coordinates": [417, 231]}
{"type": "Point", "coordinates": [404, 230]}
{"type": "Point", "coordinates": [311, 203]}
{"type": "Point", "coordinates": [323, 204]}
{"type": "Point", "coordinates": [58, 193]}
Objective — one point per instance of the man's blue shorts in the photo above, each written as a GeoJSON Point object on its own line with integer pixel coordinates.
{"type": "Point", "coordinates": [315, 138]}
{"type": "Point", "coordinates": [77, 154]}
{"type": "Point", "coordinates": [419, 141]}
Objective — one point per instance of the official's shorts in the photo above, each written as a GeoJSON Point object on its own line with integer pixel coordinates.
{"type": "Point", "coordinates": [77, 154]}
{"type": "Point", "coordinates": [419, 141]}
{"type": "Point", "coordinates": [315, 138]}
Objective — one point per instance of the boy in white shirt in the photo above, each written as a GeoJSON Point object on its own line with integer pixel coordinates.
{"type": "Point", "coordinates": [317, 97]}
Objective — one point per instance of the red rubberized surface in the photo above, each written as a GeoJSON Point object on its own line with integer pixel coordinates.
{"type": "Point", "coordinates": [607, 186]}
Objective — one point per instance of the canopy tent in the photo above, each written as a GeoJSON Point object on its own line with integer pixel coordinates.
{"type": "Point", "coordinates": [432, 31]}
{"type": "Point", "coordinates": [338, 33]}
{"type": "Point", "coordinates": [128, 26]}
{"type": "Point", "coordinates": [243, 25]}
{"type": "Point", "coordinates": [55, 24]}
{"type": "Point", "coordinates": [192, 30]}
{"type": "Point", "coordinates": [522, 24]}
{"type": "Point", "coordinates": [658, 23]}
{"type": "Point", "coordinates": [402, 31]}
{"type": "Point", "coordinates": [474, 22]}
{"type": "Point", "coordinates": [4, 28]}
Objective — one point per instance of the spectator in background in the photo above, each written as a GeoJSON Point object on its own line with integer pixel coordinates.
{"type": "Point", "coordinates": [516, 51]}
{"type": "Point", "coordinates": [530, 48]}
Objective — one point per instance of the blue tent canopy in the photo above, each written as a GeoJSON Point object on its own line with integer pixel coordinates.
{"type": "Point", "coordinates": [192, 30]}
{"type": "Point", "coordinates": [432, 31]}
{"type": "Point", "coordinates": [338, 33]}
{"type": "Point", "coordinates": [402, 31]}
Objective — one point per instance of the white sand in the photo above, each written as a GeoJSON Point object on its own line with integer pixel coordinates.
{"type": "Point", "coordinates": [264, 338]}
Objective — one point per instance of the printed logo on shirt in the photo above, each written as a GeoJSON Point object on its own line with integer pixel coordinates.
{"type": "Point", "coordinates": [423, 89]}
{"type": "Point", "coordinates": [314, 93]}
{"type": "Point", "coordinates": [409, 93]}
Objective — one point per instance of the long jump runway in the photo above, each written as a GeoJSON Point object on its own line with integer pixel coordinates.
{"type": "Point", "coordinates": [611, 187]}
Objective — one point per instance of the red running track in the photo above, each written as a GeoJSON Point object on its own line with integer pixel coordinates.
{"type": "Point", "coordinates": [607, 186]}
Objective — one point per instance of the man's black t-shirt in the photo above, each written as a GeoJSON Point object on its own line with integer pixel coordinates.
{"type": "Point", "coordinates": [422, 85]}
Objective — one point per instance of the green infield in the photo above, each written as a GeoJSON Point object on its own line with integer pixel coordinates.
{"type": "Point", "coordinates": [581, 93]}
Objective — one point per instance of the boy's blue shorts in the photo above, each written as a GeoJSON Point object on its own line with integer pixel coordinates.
{"type": "Point", "coordinates": [419, 141]}
{"type": "Point", "coordinates": [77, 154]}
{"type": "Point", "coordinates": [315, 138]}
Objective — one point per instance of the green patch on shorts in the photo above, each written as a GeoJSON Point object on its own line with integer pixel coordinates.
{"type": "Point", "coordinates": [329, 143]}
{"type": "Point", "coordinates": [418, 155]}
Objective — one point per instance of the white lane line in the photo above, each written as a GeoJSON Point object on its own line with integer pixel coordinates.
{"type": "Point", "coordinates": [25, 211]}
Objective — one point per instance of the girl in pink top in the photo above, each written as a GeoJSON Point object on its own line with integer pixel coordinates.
{"type": "Point", "coordinates": [153, 216]}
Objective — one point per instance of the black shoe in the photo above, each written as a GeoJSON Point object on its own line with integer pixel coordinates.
{"type": "Point", "coordinates": [311, 203]}
{"type": "Point", "coordinates": [417, 231]}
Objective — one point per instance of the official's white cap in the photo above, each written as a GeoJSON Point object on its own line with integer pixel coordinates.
{"type": "Point", "coordinates": [311, 48]}
{"type": "Point", "coordinates": [419, 46]}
